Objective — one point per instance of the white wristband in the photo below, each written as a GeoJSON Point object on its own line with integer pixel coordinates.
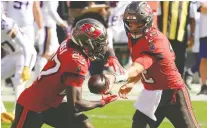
{"type": "Point", "coordinates": [121, 78]}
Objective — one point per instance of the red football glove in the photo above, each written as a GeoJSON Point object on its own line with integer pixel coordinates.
{"type": "Point", "coordinates": [108, 99]}
{"type": "Point", "coordinates": [113, 61]}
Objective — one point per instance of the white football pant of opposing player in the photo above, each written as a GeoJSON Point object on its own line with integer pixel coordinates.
{"type": "Point", "coordinates": [49, 45]}
{"type": "Point", "coordinates": [21, 55]}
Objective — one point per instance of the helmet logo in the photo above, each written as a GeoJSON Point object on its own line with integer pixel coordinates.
{"type": "Point", "coordinates": [91, 31]}
{"type": "Point", "coordinates": [148, 9]}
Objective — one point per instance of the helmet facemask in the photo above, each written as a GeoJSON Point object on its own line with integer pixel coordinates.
{"type": "Point", "coordinates": [95, 50]}
{"type": "Point", "coordinates": [135, 28]}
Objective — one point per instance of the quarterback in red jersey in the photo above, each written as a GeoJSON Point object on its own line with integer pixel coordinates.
{"type": "Point", "coordinates": [164, 93]}
{"type": "Point", "coordinates": [63, 75]}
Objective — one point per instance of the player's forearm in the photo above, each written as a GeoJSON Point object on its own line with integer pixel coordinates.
{"type": "Point", "coordinates": [85, 105]}
{"type": "Point", "coordinates": [38, 15]}
{"type": "Point", "coordinates": [53, 13]}
{"type": "Point", "coordinates": [30, 53]}
{"type": "Point", "coordinates": [30, 56]}
{"type": "Point", "coordinates": [57, 18]}
{"type": "Point", "coordinates": [74, 97]}
{"type": "Point", "coordinates": [28, 50]}
{"type": "Point", "coordinates": [132, 81]}
{"type": "Point", "coordinates": [133, 71]}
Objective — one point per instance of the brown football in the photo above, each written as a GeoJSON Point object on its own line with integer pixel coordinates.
{"type": "Point", "coordinates": [98, 84]}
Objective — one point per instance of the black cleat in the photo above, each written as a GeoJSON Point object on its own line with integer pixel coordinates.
{"type": "Point", "coordinates": [203, 90]}
{"type": "Point", "coordinates": [188, 79]}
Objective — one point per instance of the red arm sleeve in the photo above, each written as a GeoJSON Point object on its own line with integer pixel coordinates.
{"type": "Point", "coordinates": [145, 60]}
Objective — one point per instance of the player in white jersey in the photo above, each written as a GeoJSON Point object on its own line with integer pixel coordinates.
{"type": "Point", "coordinates": [202, 7]}
{"type": "Point", "coordinates": [50, 43]}
{"type": "Point", "coordinates": [195, 48]}
{"type": "Point", "coordinates": [115, 22]}
{"type": "Point", "coordinates": [20, 57]}
{"type": "Point", "coordinates": [116, 26]}
{"type": "Point", "coordinates": [24, 13]}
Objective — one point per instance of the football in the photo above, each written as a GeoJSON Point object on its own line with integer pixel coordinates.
{"type": "Point", "coordinates": [98, 84]}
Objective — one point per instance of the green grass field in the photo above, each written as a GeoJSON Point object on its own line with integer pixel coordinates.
{"type": "Point", "coordinates": [119, 115]}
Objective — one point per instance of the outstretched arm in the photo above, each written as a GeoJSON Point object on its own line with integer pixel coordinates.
{"type": "Point", "coordinates": [132, 74]}
{"type": "Point", "coordinates": [74, 98]}
{"type": "Point", "coordinates": [53, 12]}
{"type": "Point", "coordinates": [37, 14]}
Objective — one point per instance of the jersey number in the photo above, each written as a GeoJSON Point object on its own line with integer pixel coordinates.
{"type": "Point", "coordinates": [19, 4]}
{"type": "Point", "coordinates": [114, 19]}
{"type": "Point", "coordinates": [146, 79]}
{"type": "Point", "coordinates": [53, 69]}
{"type": "Point", "coordinates": [63, 93]}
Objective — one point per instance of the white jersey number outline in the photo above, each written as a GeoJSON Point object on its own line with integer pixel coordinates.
{"type": "Point", "coordinates": [53, 69]}
{"type": "Point", "coordinates": [147, 80]}
{"type": "Point", "coordinates": [19, 4]}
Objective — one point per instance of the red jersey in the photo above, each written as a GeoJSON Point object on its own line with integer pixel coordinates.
{"type": "Point", "coordinates": [162, 73]}
{"type": "Point", "coordinates": [67, 67]}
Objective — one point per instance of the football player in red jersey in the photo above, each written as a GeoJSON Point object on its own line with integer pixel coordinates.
{"type": "Point", "coordinates": [164, 93]}
{"type": "Point", "coordinates": [63, 75]}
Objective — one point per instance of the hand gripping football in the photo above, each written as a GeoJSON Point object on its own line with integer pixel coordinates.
{"type": "Point", "coordinates": [98, 84]}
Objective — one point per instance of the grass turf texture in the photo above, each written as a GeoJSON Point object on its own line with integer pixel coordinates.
{"type": "Point", "coordinates": [119, 115]}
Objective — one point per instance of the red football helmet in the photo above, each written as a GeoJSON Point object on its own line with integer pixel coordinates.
{"type": "Point", "coordinates": [140, 13]}
{"type": "Point", "coordinates": [91, 36]}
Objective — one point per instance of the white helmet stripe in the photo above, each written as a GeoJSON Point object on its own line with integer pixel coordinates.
{"type": "Point", "coordinates": [91, 43]}
{"type": "Point", "coordinates": [79, 43]}
{"type": "Point", "coordinates": [74, 40]}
